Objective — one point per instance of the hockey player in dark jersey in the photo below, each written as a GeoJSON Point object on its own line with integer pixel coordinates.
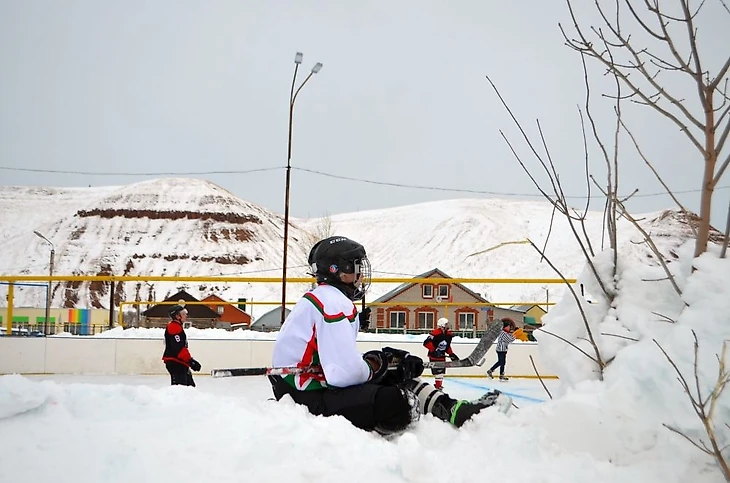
{"type": "Point", "coordinates": [178, 360]}
{"type": "Point", "coordinates": [438, 344]}
{"type": "Point", "coordinates": [378, 390]}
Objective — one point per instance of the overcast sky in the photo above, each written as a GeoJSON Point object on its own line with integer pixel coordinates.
{"type": "Point", "coordinates": [185, 87]}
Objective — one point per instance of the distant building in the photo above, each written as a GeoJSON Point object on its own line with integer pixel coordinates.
{"type": "Point", "coordinates": [200, 316]}
{"type": "Point", "coordinates": [417, 306]}
{"type": "Point", "coordinates": [230, 315]}
{"type": "Point", "coordinates": [270, 321]}
{"type": "Point", "coordinates": [532, 316]}
{"type": "Point", "coordinates": [532, 313]}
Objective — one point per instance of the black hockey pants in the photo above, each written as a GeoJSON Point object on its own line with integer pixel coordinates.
{"type": "Point", "coordinates": [367, 406]}
{"type": "Point", "coordinates": [180, 375]}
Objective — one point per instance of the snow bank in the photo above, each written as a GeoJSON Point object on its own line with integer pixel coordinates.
{"type": "Point", "coordinates": [622, 418]}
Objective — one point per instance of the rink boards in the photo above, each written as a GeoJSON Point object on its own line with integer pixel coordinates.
{"type": "Point", "coordinates": [96, 355]}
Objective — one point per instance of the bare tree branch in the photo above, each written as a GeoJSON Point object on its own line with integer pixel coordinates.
{"type": "Point", "coordinates": [542, 329]}
{"type": "Point", "coordinates": [722, 169]}
{"type": "Point", "coordinates": [700, 405]}
{"type": "Point", "coordinates": [559, 202]}
{"type": "Point", "coordinates": [550, 230]}
{"type": "Point", "coordinates": [589, 331]}
{"type": "Point", "coordinates": [666, 318]}
{"type": "Point", "coordinates": [702, 448]}
{"type": "Point", "coordinates": [652, 246]}
{"type": "Point", "coordinates": [725, 6]}
{"type": "Point", "coordinates": [620, 336]}
{"type": "Point", "coordinates": [586, 47]}
{"type": "Point", "coordinates": [723, 252]}
{"type": "Point", "coordinates": [540, 378]}
{"type": "Point", "coordinates": [651, 167]}
{"type": "Point", "coordinates": [638, 67]}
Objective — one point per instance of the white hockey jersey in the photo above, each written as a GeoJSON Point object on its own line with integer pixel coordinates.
{"type": "Point", "coordinates": [322, 330]}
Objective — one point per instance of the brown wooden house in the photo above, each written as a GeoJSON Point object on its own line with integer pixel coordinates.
{"type": "Point", "coordinates": [230, 315]}
{"type": "Point", "coordinates": [417, 306]}
{"type": "Point", "coordinates": [199, 315]}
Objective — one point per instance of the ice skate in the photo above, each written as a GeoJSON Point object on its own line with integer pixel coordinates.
{"type": "Point", "coordinates": [460, 412]}
{"type": "Point", "coordinates": [489, 373]}
{"type": "Point", "coordinates": [503, 378]}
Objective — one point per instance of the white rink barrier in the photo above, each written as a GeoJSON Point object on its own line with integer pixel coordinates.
{"type": "Point", "coordinates": [95, 355]}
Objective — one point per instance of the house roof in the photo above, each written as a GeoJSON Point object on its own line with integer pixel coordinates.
{"type": "Point", "coordinates": [525, 308]}
{"type": "Point", "coordinates": [194, 311]}
{"type": "Point", "coordinates": [273, 314]}
{"type": "Point", "coordinates": [214, 298]}
{"type": "Point", "coordinates": [431, 273]}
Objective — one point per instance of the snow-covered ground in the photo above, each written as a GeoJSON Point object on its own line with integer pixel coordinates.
{"type": "Point", "coordinates": [117, 429]}
{"type": "Point", "coordinates": [137, 428]}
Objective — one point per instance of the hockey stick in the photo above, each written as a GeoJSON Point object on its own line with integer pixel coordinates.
{"type": "Point", "coordinates": [476, 358]}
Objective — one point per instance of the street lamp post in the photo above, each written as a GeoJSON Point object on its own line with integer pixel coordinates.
{"type": "Point", "coordinates": [48, 289]}
{"type": "Point", "coordinates": [292, 98]}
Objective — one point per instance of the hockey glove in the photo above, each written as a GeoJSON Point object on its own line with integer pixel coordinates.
{"type": "Point", "coordinates": [454, 357]}
{"type": "Point", "coordinates": [407, 366]}
{"type": "Point", "coordinates": [195, 365]}
{"type": "Point", "coordinates": [364, 317]}
{"type": "Point", "coordinates": [378, 365]}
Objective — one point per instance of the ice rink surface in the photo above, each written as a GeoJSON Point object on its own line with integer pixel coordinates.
{"type": "Point", "coordinates": [523, 391]}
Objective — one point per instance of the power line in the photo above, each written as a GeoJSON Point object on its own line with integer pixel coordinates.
{"type": "Point", "coordinates": [482, 192]}
{"type": "Point", "coordinates": [175, 173]}
{"type": "Point", "coordinates": [334, 176]}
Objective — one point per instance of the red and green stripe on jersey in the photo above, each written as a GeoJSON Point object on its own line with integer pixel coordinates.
{"type": "Point", "coordinates": [316, 381]}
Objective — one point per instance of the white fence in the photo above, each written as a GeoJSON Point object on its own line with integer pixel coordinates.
{"type": "Point", "coordinates": [93, 355]}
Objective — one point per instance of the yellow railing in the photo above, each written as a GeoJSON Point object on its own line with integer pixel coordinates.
{"type": "Point", "coordinates": [233, 279]}
{"type": "Point", "coordinates": [208, 278]}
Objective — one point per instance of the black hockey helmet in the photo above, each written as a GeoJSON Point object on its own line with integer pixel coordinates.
{"type": "Point", "coordinates": [176, 309]}
{"type": "Point", "coordinates": [333, 256]}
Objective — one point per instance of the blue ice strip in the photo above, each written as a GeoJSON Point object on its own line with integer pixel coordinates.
{"type": "Point", "coordinates": [487, 388]}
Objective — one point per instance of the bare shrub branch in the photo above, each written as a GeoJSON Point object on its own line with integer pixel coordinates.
{"type": "Point", "coordinates": [666, 319]}
{"type": "Point", "coordinates": [723, 252]}
{"type": "Point", "coordinates": [597, 359]}
{"type": "Point", "coordinates": [542, 329]}
{"type": "Point", "coordinates": [540, 378]}
{"type": "Point", "coordinates": [705, 407]}
{"type": "Point", "coordinates": [559, 202]}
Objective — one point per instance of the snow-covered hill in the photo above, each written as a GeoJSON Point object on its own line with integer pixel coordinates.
{"type": "Point", "coordinates": [193, 227]}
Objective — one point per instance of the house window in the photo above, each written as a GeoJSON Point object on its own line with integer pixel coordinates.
{"type": "Point", "coordinates": [220, 310]}
{"type": "Point", "coordinates": [444, 291]}
{"type": "Point", "coordinates": [466, 321]}
{"type": "Point", "coordinates": [425, 320]}
{"type": "Point", "coordinates": [427, 291]}
{"type": "Point", "coordinates": [397, 320]}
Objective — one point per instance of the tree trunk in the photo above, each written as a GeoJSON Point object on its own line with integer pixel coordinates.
{"type": "Point", "coordinates": [703, 230]}
{"type": "Point", "coordinates": [708, 186]}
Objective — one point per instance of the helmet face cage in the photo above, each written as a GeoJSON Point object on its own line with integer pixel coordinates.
{"type": "Point", "coordinates": [363, 278]}
{"type": "Point", "coordinates": [442, 323]}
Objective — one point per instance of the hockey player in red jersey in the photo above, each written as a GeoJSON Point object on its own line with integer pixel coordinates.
{"type": "Point", "coordinates": [438, 344]}
{"type": "Point", "coordinates": [178, 360]}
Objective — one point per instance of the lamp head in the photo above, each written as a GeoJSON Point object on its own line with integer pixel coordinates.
{"type": "Point", "coordinates": [317, 67]}
{"type": "Point", "coordinates": [298, 58]}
